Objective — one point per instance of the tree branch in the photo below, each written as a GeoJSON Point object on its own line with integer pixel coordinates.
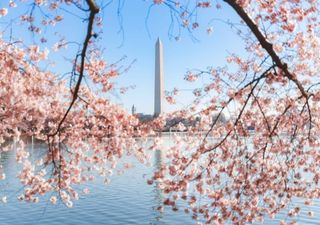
{"type": "Point", "coordinates": [94, 9]}
{"type": "Point", "coordinates": [266, 45]}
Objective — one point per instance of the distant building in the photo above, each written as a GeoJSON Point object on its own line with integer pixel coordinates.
{"type": "Point", "coordinates": [133, 110]}
{"type": "Point", "coordinates": [172, 123]}
{"type": "Point", "coordinates": [144, 117]}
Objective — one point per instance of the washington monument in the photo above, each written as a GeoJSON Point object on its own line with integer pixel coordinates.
{"type": "Point", "coordinates": [158, 81]}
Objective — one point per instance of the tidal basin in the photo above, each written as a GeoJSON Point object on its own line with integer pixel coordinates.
{"type": "Point", "coordinates": [127, 199]}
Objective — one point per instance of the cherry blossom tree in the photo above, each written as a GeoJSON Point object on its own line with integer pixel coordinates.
{"type": "Point", "coordinates": [222, 171]}
{"type": "Point", "coordinates": [81, 129]}
{"type": "Point", "coordinates": [232, 175]}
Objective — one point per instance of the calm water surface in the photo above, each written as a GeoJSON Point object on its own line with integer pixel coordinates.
{"type": "Point", "coordinates": [126, 200]}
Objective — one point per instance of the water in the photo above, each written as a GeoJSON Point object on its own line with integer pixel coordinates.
{"type": "Point", "coordinates": [126, 200]}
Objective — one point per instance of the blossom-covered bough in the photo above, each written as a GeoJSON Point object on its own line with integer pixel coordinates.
{"type": "Point", "coordinates": [224, 172]}
{"type": "Point", "coordinates": [82, 129]}
{"type": "Point", "coordinates": [240, 177]}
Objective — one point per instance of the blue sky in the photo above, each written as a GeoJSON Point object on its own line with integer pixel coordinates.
{"type": "Point", "coordinates": [137, 43]}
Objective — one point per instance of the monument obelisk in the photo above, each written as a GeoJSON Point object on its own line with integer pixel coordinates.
{"type": "Point", "coordinates": [158, 82]}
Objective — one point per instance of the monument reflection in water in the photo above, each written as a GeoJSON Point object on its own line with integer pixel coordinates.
{"type": "Point", "coordinates": [126, 200]}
